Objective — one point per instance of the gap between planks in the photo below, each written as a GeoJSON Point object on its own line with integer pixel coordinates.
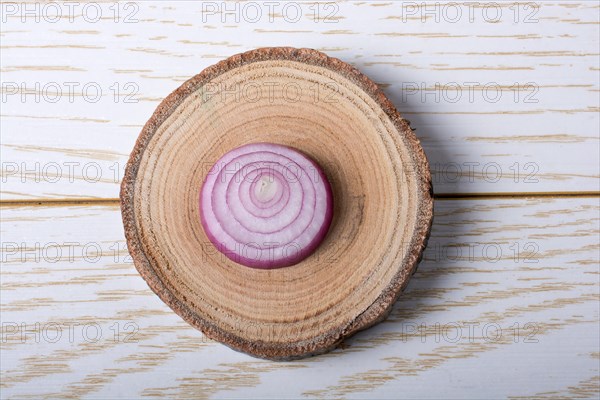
{"type": "Point", "coordinates": [441, 196]}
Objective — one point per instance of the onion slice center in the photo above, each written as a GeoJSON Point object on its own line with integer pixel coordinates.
{"type": "Point", "coordinates": [265, 205]}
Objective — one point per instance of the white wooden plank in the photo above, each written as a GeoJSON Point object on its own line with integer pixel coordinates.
{"type": "Point", "coordinates": [470, 274]}
{"type": "Point", "coordinates": [543, 140]}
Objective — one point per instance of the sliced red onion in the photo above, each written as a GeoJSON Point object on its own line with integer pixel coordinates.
{"type": "Point", "coordinates": [265, 205]}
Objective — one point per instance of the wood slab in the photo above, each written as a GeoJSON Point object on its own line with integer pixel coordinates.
{"type": "Point", "coordinates": [380, 179]}
{"type": "Point", "coordinates": [542, 76]}
{"type": "Point", "coordinates": [546, 275]}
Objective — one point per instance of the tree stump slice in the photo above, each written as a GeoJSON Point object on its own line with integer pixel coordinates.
{"type": "Point", "coordinates": [383, 206]}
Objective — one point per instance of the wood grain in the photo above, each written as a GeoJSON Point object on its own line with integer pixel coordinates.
{"type": "Point", "coordinates": [544, 68]}
{"type": "Point", "coordinates": [539, 138]}
{"type": "Point", "coordinates": [553, 285]}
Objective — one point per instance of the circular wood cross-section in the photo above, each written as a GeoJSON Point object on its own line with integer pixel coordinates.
{"type": "Point", "coordinates": [379, 177]}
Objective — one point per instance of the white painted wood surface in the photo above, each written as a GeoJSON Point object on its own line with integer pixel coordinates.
{"type": "Point", "coordinates": [540, 135]}
{"type": "Point", "coordinates": [66, 268]}
{"type": "Point", "coordinates": [471, 274]}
